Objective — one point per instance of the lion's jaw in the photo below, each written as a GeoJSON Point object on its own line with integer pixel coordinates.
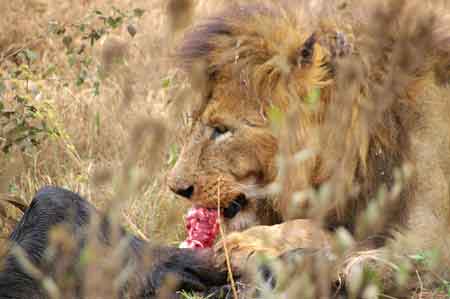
{"type": "Point", "coordinates": [245, 218]}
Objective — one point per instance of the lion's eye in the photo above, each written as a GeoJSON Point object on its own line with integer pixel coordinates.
{"type": "Point", "coordinates": [219, 131]}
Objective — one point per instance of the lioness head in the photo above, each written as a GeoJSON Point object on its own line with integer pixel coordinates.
{"type": "Point", "coordinates": [257, 60]}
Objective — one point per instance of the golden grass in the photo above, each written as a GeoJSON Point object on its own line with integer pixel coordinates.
{"type": "Point", "coordinates": [110, 135]}
{"type": "Point", "coordinates": [108, 152]}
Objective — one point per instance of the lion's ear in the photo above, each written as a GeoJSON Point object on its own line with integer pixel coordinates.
{"type": "Point", "coordinates": [338, 46]}
{"type": "Point", "coordinates": [336, 42]}
{"type": "Point", "coordinates": [306, 53]}
{"type": "Point", "coordinates": [342, 46]}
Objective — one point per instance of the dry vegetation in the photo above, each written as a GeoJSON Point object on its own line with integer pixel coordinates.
{"type": "Point", "coordinates": [103, 138]}
{"type": "Point", "coordinates": [116, 133]}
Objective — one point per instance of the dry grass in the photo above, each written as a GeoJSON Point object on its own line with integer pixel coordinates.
{"type": "Point", "coordinates": [107, 151]}
{"type": "Point", "coordinates": [105, 134]}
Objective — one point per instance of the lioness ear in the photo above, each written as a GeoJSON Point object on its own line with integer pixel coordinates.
{"type": "Point", "coordinates": [306, 53]}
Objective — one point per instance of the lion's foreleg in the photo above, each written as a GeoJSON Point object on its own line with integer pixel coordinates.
{"type": "Point", "coordinates": [272, 241]}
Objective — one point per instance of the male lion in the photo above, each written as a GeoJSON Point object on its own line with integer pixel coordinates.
{"type": "Point", "coordinates": [297, 101]}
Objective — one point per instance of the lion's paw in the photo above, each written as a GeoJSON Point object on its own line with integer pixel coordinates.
{"type": "Point", "coordinates": [270, 241]}
{"type": "Point", "coordinates": [241, 246]}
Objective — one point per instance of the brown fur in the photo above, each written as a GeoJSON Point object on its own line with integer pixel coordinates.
{"type": "Point", "coordinates": [372, 117]}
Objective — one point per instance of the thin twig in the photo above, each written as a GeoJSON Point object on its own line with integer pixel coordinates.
{"type": "Point", "coordinates": [135, 228]}
{"type": "Point", "coordinates": [387, 296]}
{"type": "Point", "coordinates": [420, 284]}
{"type": "Point", "coordinates": [12, 54]}
{"type": "Point", "coordinates": [222, 235]}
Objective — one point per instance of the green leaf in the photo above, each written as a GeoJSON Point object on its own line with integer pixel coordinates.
{"type": "Point", "coordinates": [95, 35]}
{"type": "Point", "coordinates": [86, 61]}
{"type": "Point", "coordinates": [114, 22]}
{"type": "Point", "coordinates": [166, 82]}
{"type": "Point", "coordinates": [31, 55]}
{"type": "Point", "coordinates": [51, 69]}
{"type": "Point", "coordinates": [139, 12]}
{"type": "Point", "coordinates": [2, 90]}
{"type": "Point", "coordinates": [174, 152]}
{"type": "Point", "coordinates": [67, 40]}
{"type": "Point", "coordinates": [81, 78]}
{"type": "Point", "coordinates": [96, 89]}
{"type": "Point", "coordinates": [20, 99]}
{"type": "Point", "coordinates": [275, 116]}
{"type": "Point", "coordinates": [313, 97]}
{"type": "Point", "coordinates": [85, 257]}
{"type": "Point", "coordinates": [418, 257]}
{"type": "Point", "coordinates": [82, 28]}
{"type": "Point", "coordinates": [12, 188]}
{"type": "Point", "coordinates": [79, 81]}
{"type": "Point", "coordinates": [55, 28]}
{"type": "Point", "coordinates": [72, 59]}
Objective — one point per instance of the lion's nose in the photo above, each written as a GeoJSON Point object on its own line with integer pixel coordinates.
{"type": "Point", "coordinates": [179, 183]}
{"type": "Point", "coordinates": [187, 192]}
{"type": "Point", "coordinates": [183, 190]}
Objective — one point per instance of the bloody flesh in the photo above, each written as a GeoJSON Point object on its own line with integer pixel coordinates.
{"type": "Point", "coordinates": [202, 227]}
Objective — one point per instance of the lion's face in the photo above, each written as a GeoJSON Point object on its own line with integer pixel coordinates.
{"type": "Point", "coordinates": [230, 149]}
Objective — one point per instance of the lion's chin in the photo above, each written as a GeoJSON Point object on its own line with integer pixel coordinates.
{"type": "Point", "coordinates": [243, 220]}
{"type": "Point", "coordinates": [239, 215]}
